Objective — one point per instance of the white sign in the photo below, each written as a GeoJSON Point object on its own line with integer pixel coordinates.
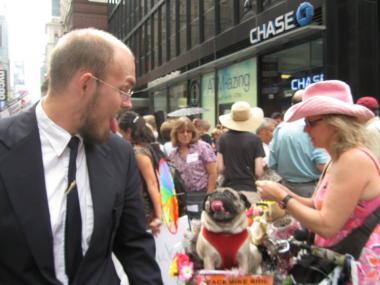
{"type": "Point", "coordinates": [281, 24]}
{"type": "Point", "coordinates": [303, 82]}
{"type": "Point", "coordinates": [167, 245]}
{"type": "Point", "coordinates": [301, 17]}
{"type": "Point", "coordinates": [3, 85]}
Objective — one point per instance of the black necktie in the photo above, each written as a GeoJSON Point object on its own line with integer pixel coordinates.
{"type": "Point", "coordinates": [73, 228]}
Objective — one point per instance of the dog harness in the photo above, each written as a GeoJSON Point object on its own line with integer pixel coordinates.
{"type": "Point", "coordinates": [227, 245]}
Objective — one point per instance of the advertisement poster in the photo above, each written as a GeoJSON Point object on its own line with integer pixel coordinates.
{"type": "Point", "coordinates": [208, 98]}
{"type": "Point", "coordinates": [237, 82]}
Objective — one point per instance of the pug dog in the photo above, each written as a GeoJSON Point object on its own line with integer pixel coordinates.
{"type": "Point", "coordinates": [223, 241]}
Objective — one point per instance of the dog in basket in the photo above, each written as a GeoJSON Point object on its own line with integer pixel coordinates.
{"type": "Point", "coordinates": [223, 241]}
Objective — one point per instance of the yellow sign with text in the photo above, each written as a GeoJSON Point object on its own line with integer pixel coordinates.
{"type": "Point", "coordinates": [221, 279]}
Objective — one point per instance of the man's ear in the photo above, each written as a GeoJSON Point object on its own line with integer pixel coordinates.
{"type": "Point", "coordinates": [86, 81]}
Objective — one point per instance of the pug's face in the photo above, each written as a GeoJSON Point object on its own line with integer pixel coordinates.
{"type": "Point", "coordinates": [224, 204]}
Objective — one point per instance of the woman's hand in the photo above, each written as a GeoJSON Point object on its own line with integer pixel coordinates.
{"type": "Point", "coordinates": [269, 190]}
{"type": "Point", "coordinates": [155, 225]}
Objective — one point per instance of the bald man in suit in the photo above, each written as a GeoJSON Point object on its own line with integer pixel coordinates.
{"type": "Point", "coordinates": [91, 75]}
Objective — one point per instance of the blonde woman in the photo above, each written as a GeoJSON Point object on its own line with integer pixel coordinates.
{"type": "Point", "coordinates": [348, 191]}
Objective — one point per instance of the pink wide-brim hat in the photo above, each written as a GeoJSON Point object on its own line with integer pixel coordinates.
{"type": "Point", "coordinates": [327, 97]}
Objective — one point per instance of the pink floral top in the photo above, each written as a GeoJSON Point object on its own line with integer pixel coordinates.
{"type": "Point", "coordinates": [369, 260]}
{"type": "Point", "coordinates": [193, 166]}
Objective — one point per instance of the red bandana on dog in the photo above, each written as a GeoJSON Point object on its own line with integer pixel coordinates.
{"type": "Point", "coordinates": [227, 245]}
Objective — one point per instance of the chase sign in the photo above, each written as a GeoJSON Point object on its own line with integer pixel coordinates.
{"type": "Point", "coordinates": [283, 23]}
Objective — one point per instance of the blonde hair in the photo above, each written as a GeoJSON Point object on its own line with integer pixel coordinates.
{"type": "Point", "coordinates": [349, 133]}
{"type": "Point", "coordinates": [83, 49]}
{"type": "Point", "coordinates": [181, 124]}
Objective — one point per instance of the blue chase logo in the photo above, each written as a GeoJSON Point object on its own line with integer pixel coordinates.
{"type": "Point", "coordinates": [304, 14]}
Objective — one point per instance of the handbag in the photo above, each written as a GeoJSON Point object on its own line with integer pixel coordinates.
{"type": "Point", "coordinates": [311, 269]}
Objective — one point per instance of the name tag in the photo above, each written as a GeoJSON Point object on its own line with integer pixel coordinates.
{"type": "Point", "coordinates": [193, 208]}
{"type": "Point", "coordinates": [192, 157]}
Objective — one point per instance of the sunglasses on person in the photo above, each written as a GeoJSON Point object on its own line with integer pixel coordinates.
{"type": "Point", "coordinates": [312, 123]}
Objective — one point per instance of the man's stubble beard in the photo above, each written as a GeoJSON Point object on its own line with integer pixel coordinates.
{"type": "Point", "coordinates": [88, 129]}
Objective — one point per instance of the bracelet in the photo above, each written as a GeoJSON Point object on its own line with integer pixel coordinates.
{"type": "Point", "coordinates": [284, 202]}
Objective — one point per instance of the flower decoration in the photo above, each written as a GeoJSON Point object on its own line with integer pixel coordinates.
{"type": "Point", "coordinates": [186, 271]}
{"type": "Point", "coordinates": [182, 267]}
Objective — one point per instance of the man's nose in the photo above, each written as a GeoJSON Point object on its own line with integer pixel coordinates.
{"type": "Point", "coordinates": [127, 103]}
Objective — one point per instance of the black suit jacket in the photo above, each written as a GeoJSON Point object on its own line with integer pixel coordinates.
{"type": "Point", "coordinates": [26, 242]}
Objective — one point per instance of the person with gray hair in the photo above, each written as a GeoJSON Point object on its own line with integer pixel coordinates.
{"type": "Point", "coordinates": [265, 133]}
{"type": "Point", "coordinates": [69, 190]}
{"type": "Point", "coordinates": [203, 127]}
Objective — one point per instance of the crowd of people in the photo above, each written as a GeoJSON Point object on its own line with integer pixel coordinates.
{"type": "Point", "coordinates": [75, 157]}
{"type": "Point", "coordinates": [320, 162]}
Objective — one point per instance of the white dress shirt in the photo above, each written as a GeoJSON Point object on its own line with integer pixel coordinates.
{"type": "Point", "coordinates": [55, 156]}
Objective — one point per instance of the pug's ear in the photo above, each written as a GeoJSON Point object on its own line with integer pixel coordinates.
{"type": "Point", "coordinates": [244, 198]}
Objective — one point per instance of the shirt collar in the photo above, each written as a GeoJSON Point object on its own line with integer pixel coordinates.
{"type": "Point", "coordinates": [56, 136]}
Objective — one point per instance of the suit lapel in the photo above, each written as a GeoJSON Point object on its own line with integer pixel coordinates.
{"type": "Point", "coordinates": [22, 171]}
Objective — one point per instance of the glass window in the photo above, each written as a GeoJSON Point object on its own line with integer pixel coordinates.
{"type": "Point", "coordinates": [247, 9]}
{"type": "Point", "coordinates": [209, 19]}
{"type": "Point", "coordinates": [182, 14]}
{"type": "Point", "coordinates": [172, 46]}
{"type": "Point", "coordinates": [148, 46]}
{"type": "Point", "coordinates": [142, 8]}
{"type": "Point", "coordinates": [141, 48]}
{"type": "Point", "coordinates": [156, 51]}
{"type": "Point", "coordinates": [129, 16]}
{"type": "Point", "coordinates": [226, 14]}
{"type": "Point", "coordinates": [183, 41]}
{"type": "Point", "coordinates": [163, 33]}
{"type": "Point", "coordinates": [182, 26]}
{"type": "Point", "coordinates": [173, 17]}
{"type": "Point", "coordinates": [159, 99]}
{"type": "Point", "coordinates": [316, 59]}
{"type": "Point", "coordinates": [194, 16]}
{"type": "Point", "coordinates": [137, 12]}
{"type": "Point", "coordinates": [288, 70]}
{"type": "Point", "coordinates": [178, 97]}
{"type": "Point", "coordinates": [268, 3]}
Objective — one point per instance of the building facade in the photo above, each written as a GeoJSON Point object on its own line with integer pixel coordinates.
{"type": "Point", "coordinates": [211, 53]}
{"type": "Point", "coordinates": [4, 63]}
{"type": "Point", "coordinates": [76, 14]}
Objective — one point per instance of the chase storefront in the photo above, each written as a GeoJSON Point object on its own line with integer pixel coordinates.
{"type": "Point", "coordinates": [212, 53]}
{"type": "Point", "coordinates": [278, 49]}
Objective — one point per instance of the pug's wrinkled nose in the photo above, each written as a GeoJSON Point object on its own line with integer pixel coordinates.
{"type": "Point", "coordinates": [217, 206]}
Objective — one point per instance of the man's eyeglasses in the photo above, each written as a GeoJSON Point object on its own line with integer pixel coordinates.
{"type": "Point", "coordinates": [124, 94]}
{"type": "Point", "coordinates": [311, 124]}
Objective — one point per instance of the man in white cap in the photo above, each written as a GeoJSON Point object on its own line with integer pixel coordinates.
{"type": "Point", "coordinates": [293, 156]}
{"type": "Point", "coordinates": [240, 151]}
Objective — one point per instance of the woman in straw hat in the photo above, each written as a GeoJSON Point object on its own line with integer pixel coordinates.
{"type": "Point", "coordinates": [240, 151]}
{"type": "Point", "coordinates": [349, 189]}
